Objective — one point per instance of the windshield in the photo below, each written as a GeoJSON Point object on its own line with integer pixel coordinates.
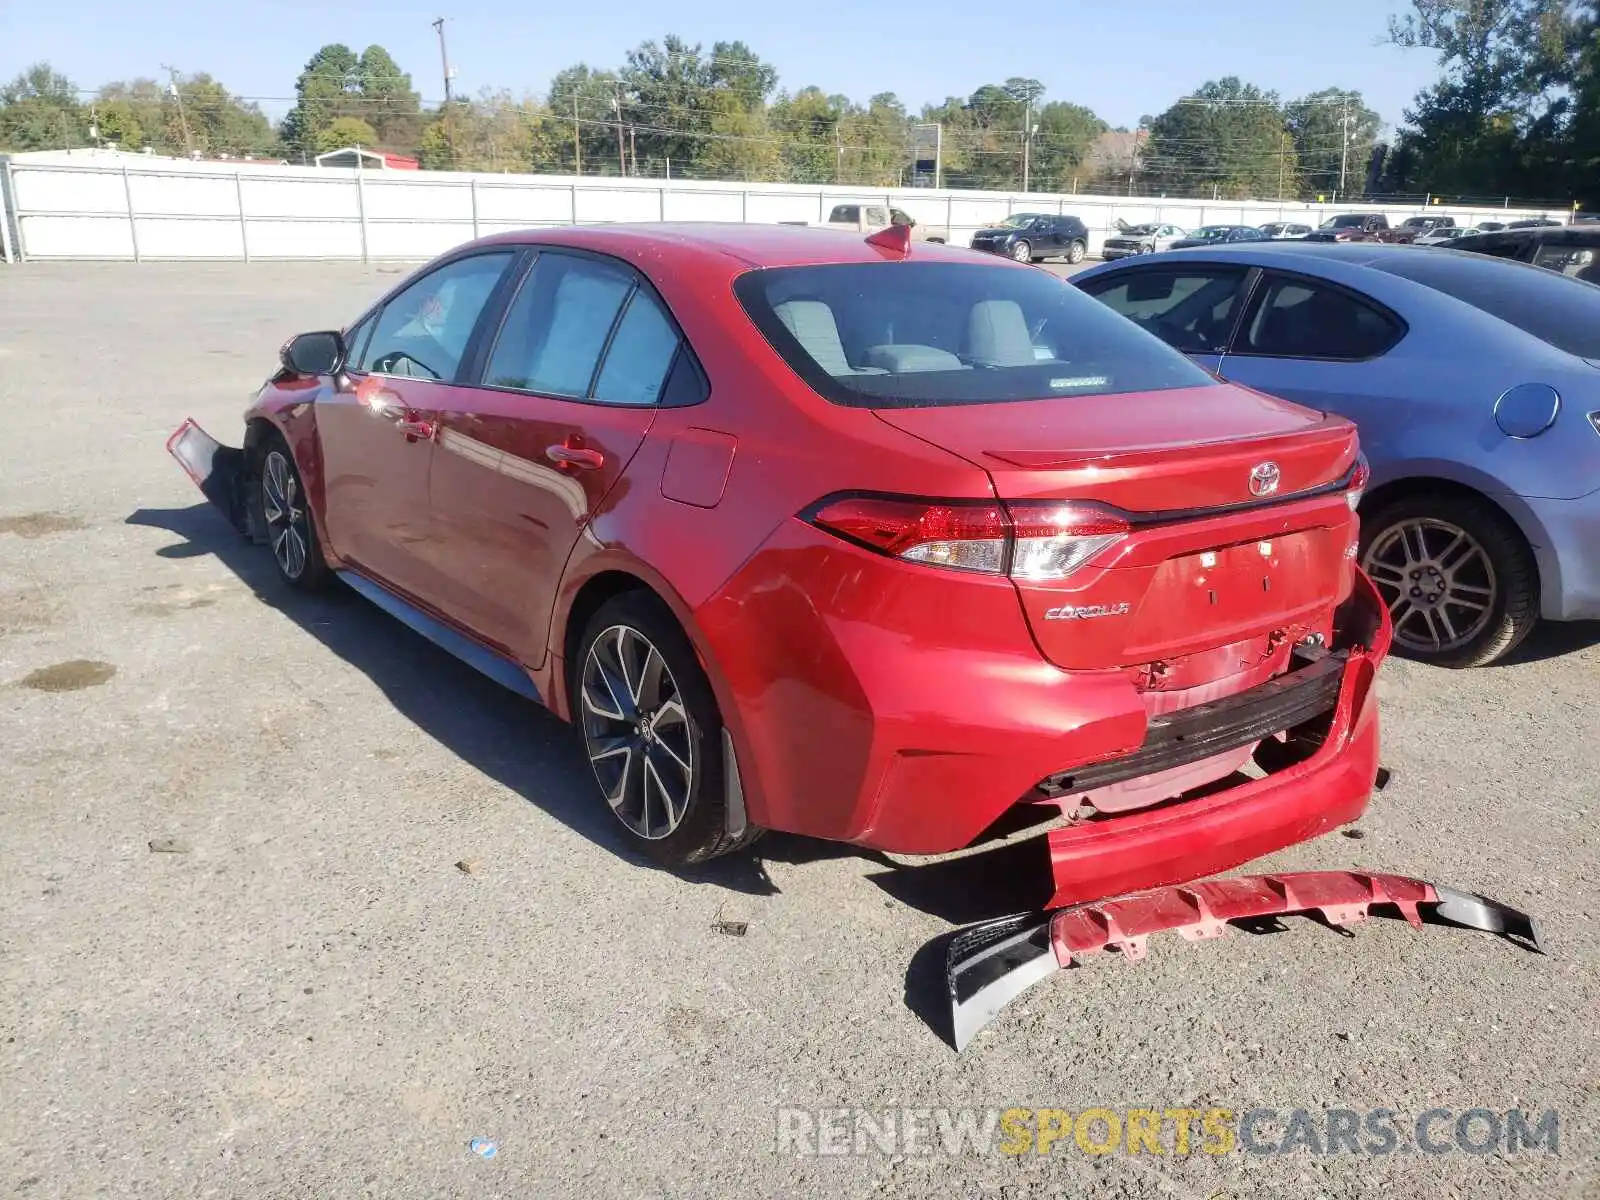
{"type": "Point", "coordinates": [1020, 220]}
{"type": "Point", "coordinates": [1561, 311]}
{"type": "Point", "coordinates": [1140, 229]}
{"type": "Point", "coordinates": [912, 335]}
{"type": "Point", "coordinates": [1210, 233]}
{"type": "Point", "coordinates": [1348, 221]}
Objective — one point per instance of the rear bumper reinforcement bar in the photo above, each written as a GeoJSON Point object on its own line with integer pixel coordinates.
{"type": "Point", "coordinates": [1204, 730]}
{"type": "Point", "coordinates": [989, 965]}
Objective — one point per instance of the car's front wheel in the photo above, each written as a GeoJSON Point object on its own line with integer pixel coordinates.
{"type": "Point", "coordinates": [1076, 251]}
{"type": "Point", "coordinates": [1458, 578]}
{"type": "Point", "coordinates": [1021, 251]}
{"type": "Point", "coordinates": [286, 517]}
{"type": "Point", "coordinates": [653, 732]}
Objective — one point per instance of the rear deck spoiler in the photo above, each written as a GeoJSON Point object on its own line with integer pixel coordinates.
{"type": "Point", "coordinates": [989, 965]}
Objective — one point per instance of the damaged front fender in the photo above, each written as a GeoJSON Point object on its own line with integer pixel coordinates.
{"type": "Point", "coordinates": [989, 965]}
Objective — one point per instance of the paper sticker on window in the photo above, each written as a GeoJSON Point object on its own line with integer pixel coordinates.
{"type": "Point", "coordinates": [1079, 381]}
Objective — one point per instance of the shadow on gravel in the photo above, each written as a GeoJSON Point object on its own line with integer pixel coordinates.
{"type": "Point", "coordinates": [1552, 639]}
{"type": "Point", "coordinates": [511, 739]}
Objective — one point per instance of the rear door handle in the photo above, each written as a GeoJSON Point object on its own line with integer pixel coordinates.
{"type": "Point", "coordinates": [576, 456]}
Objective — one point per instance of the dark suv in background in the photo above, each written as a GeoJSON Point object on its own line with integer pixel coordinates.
{"type": "Point", "coordinates": [1030, 237]}
{"type": "Point", "coordinates": [1569, 249]}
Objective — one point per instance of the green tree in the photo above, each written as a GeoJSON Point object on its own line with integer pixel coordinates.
{"type": "Point", "coordinates": [1319, 124]}
{"type": "Point", "coordinates": [1227, 139]}
{"type": "Point", "coordinates": [583, 119]}
{"type": "Point", "coordinates": [1062, 143]}
{"type": "Point", "coordinates": [342, 132]}
{"type": "Point", "coordinates": [39, 110]}
{"type": "Point", "coordinates": [387, 100]}
{"type": "Point", "coordinates": [323, 91]}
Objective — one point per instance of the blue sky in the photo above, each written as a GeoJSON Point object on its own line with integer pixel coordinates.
{"type": "Point", "coordinates": [1122, 60]}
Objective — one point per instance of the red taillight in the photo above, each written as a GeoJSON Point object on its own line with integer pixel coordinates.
{"type": "Point", "coordinates": [1358, 482]}
{"type": "Point", "coordinates": [1029, 540]}
{"type": "Point", "coordinates": [968, 537]}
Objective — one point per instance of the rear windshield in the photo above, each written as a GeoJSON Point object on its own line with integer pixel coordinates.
{"type": "Point", "coordinates": [1562, 311]}
{"type": "Point", "coordinates": [912, 335]}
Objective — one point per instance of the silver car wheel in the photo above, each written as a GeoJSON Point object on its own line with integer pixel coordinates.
{"type": "Point", "coordinates": [637, 733]}
{"type": "Point", "coordinates": [1022, 252]}
{"type": "Point", "coordinates": [288, 523]}
{"type": "Point", "coordinates": [1437, 581]}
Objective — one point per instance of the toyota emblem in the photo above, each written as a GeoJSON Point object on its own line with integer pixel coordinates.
{"type": "Point", "coordinates": [1264, 479]}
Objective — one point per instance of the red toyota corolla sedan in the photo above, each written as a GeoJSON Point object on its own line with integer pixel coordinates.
{"type": "Point", "coordinates": [859, 539]}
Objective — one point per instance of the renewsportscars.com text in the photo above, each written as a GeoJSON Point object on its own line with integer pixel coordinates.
{"type": "Point", "coordinates": [1164, 1131]}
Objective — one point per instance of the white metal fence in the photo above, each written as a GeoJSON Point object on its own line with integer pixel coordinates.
{"type": "Point", "coordinates": [105, 205]}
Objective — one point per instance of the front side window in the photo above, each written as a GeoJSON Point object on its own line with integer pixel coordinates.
{"type": "Point", "coordinates": [1191, 310]}
{"type": "Point", "coordinates": [423, 332]}
{"type": "Point", "coordinates": [908, 335]}
{"type": "Point", "coordinates": [1577, 261]}
{"type": "Point", "coordinates": [1302, 319]}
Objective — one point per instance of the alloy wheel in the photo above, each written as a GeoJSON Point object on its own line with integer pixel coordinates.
{"type": "Point", "coordinates": [1022, 252]}
{"type": "Point", "coordinates": [1437, 581]}
{"type": "Point", "coordinates": [288, 524]}
{"type": "Point", "coordinates": [637, 733]}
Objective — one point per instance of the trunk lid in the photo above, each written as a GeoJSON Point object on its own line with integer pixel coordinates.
{"type": "Point", "coordinates": [1205, 563]}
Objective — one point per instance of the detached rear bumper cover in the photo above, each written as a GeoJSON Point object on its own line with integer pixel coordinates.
{"type": "Point", "coordinates": [989, 965]}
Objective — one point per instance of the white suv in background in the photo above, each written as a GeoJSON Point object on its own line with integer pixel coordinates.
{"type": "Point", "coordinates": [1281, 230]}
{"type": "Point", "coordinates": [1140, 239]}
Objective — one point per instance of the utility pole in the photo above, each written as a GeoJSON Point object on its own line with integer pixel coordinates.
{"type": "Point", "coordinates": [444, 63]}
{"type": "Point", "coordinates": [183, 120]}
{"type": "Point", "coordinates": [444, 58]}
{"type": "Point", "coordinates": [622, 150]}
{"type": "Point", "coordinates": [577, 137]}
{"type": "Point", "coordinates": [1027, 139]}
{"type": "Point", "coordinates": [838, 165]}
{"type": "Point", "coordinates": [1283, 154]}
{"type": "Point", "coordinates": [1344, 152]}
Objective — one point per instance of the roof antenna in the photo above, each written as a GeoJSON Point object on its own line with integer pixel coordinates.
{"type": "Point", "coordinates": [894, 238]}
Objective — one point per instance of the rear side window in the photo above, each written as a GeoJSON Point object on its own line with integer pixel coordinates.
{"type": "Point", "coordinates": [586, 329]}
{"type": "Point", "coordinates": [908, 334]}
{"type": "Point", "coordinates": [1561, 311]}
{"type": "Point", "coordinates": [640, 355]}
{"type": "Point", "coordinates": [1191, 310]}
{"type": "Point", "coordinates": [1297, 318]}
{"type": "Point", "coordinates": [557, 327]}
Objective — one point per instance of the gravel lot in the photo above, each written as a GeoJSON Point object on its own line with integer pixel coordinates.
{"type": "Point", "coordinates": [312, 999]}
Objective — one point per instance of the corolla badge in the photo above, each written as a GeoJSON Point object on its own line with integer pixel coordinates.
{"type": "Point", "coordinates": [1264, 478]}
{"type": "Point", "coordinates": [1084, 612]}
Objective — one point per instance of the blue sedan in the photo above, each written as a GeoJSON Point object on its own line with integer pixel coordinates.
{"type": "Point", "coordinates": [1476, 386]}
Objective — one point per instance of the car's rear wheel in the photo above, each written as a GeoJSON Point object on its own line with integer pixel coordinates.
{"type": "Point", "coordinates": [653, 732]}
{"type": "Point", "coordinates": [1459, 581]}
{"type": "Point", "coordinates": [286, 517]}
{"type": "Point", "coordinates": [1021, 251]}
{"type": "Point", "coordinates": [1076, 251]}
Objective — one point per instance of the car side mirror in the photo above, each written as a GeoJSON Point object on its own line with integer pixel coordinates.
{"type": "Point", "coordinates": [320, 353]}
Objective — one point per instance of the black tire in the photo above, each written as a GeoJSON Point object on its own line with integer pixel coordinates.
{"type": "Point", "coordinates": [280, 500]}
{"type": "Point", "coordinates": [1076, 251]}
{"type": "Point", "coordinates": [1022, 251]}
{"type": "Point", "coordinates": [1507, 577]}
{"type": "Point", "coordinates": [619, 635]}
